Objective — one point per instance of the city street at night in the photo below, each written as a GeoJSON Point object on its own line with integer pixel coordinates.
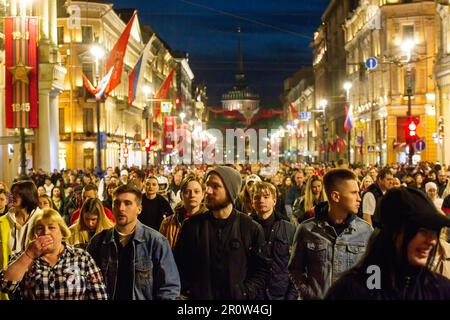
{"type": "Point", "coordinates": [225, 151]}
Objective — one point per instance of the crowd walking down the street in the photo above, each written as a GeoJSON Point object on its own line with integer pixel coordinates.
{"type": "Point", "coordinates": [236, 232]}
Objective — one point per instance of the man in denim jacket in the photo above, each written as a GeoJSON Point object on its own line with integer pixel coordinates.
{"type": "Point", "coordinates": [136, 261]}
{"type": "Point", "coordinates": [333, 241]}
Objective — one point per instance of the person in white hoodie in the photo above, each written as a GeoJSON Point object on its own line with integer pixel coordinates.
{"type": "Point", "coordinates": [15, 226]}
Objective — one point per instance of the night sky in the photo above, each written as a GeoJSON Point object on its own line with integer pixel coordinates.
{"type": "Point", "coordinates": [276, 37]}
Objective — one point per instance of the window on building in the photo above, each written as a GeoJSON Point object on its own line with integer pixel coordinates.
{"type": "Point", "coordinates": [88, 120]}
{"type": "Point", "coordinates": [60, 33]}
{"type": "Point", "coordinates": [408, 32]}
{"type": "Point", "coordinates": [61, 120]}
{"type": "Point", "coordinates": [86, 33]}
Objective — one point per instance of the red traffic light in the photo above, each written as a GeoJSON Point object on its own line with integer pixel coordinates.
{"type": "Point", "coordinates": [411, 130]}
{"type": "Point", "coordinates": [147, 144]}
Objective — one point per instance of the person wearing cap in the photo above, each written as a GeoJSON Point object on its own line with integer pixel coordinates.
{"type": "Point", "coordinates": [333, 241]}
{"type": "Point", "coordinates": [123, 177]}
{"type": "Point", "coordinates": [219, 252]}
{"type": "Point", "coordinates": [399, 254]}
{"type": "Point", "coordinates": [244, 200]}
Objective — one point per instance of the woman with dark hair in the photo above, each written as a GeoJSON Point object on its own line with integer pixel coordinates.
{"type": "Point", "coordinates": [57, 196]}
{"type": "Point", "coordinates": [15, 226]}
{"type": "Point", "coordinates": [400, 254]}
{"type": "Point", "coordinates": [107, 203]}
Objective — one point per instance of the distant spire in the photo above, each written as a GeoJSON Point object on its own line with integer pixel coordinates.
{"type": "Point", "coordinates": [240, 76]}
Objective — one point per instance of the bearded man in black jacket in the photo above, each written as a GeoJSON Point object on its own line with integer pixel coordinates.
{"type": "Point", "coordinates": [219, 253]}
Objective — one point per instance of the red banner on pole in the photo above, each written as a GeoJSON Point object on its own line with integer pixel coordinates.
{"type": "Point", "coordinates": [116, 56]}
{"type": "Point", "coordinates": [169, 134]}
{"type": "Point", "coordinates": [21, 78]}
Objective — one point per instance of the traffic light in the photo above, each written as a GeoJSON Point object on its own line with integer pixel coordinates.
{"type": "Point", "coordinates": [411, 130]}
{"type": "Point", "coordinates": [125, 152]}
{"type": "Point", "coordinates": [147, 144]}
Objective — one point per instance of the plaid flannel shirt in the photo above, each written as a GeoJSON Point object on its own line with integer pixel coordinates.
{"type": "Point", "coordinates": [74, 277]}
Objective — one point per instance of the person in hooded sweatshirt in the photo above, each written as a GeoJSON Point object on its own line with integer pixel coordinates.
{"type": "Point", "coordinates": [333, 241]}
{"type": "Point", "coordinates": [400, 255]}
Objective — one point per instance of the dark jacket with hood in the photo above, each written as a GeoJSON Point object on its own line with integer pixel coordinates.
{"type": "Point", "coordinates": [228, 264]}
{"type": "Point", "coordinates": [279, 238]}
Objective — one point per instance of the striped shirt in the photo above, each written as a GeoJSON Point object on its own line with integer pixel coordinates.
{"type": "Point", "coordinates": [74, 277]}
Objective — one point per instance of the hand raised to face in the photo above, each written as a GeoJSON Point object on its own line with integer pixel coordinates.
{"type": "Point", "coordinates": [39, 246]}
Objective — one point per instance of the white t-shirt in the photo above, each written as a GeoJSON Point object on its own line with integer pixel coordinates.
{"type": "Point", "coordinates": [369, 204]}
{"type": "Point", "coordinates": [20, 235]}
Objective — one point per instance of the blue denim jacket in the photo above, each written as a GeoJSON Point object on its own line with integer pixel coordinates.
{"type": "Point", "coordinates": [154, 272]}
{"type": "Point", "coordinates": [320, 256]}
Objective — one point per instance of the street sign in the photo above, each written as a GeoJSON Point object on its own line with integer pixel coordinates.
{"type": "Point", "coordinates": [370, 149]}
{"type": "Point", "coordinates": [420, 145]}
{"type": "Point", "coordinates": [166, 106]}
{"type": "Point", "coordinates": [305, 115]}
{"type": "Point", "coordinates": [371, 63]}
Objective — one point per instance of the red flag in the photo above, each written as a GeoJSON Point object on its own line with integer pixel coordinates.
{"type": "Point", "coordinates": [293, 110]}
{"type": "Point", "coordinates": [163, 91]}
{"type": "Point", "coordinates": [115, 58]}
{"type": "Point", "coordinates": [89, 85]}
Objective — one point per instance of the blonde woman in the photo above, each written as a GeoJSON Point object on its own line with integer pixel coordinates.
{"type": "Point", "coordinates": [192, 193]}
{"type": "Point", "coordinates": [365, 183]}
{"type": "Point", "coordinates": [49, 269]}
{"type": "Point", "coordinates": [92, 220]}
{"type": "Point", "coordinates": [314, 194]}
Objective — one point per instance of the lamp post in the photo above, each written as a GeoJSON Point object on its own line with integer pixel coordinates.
{"type": "Point", "coordinates": [296, 122]}
{"type": "Point", "coordinates": [98, 53]}
{"type": "Point", "coordinates": [407, 47]}
{"type": "Point", "coordinates": [347, 87]}
{"type": "Point", "coordinates": [323, 103]}
{"type": "Point", "coordinates": [147, 110]}
{"type": "Point", "coordinates": [182, 116]}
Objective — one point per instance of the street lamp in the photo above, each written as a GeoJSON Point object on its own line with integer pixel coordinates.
{"type": "Point", "coordinates": [323, 103]}
{"type": "Point", "coordinates": [98, 53]}
{"type": "Point", "coordinates": [407, 47]}
{"type": "Point", "coordinates": [147, 113]}
{"type": "Point", "coordinates": [182, 116]}
{"type": "Point", "coordinates": [347, 87]}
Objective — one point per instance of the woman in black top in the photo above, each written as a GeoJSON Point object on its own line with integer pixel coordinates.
{"type": "Point", "coordinates": [397, 262]}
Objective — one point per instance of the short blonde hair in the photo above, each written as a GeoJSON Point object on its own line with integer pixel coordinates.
{"type": "Point", "coordinates": [54, 216]}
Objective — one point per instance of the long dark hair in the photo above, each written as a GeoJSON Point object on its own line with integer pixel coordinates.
{"type": "Point", "coordinates": [382, 252]}
{"type": "Point", "coordinates": [28, 192]}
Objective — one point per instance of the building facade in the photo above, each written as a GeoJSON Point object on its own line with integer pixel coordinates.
{"type": "Point", "coordinates": [41, 143]}
{"type": "Point", "coordinates": [383, 30]}
{"type": "Point", "coordinates": [329, 61]}
{"type": "Point", "coordinates": [122, 125]}
{"type": "Point", "coordinates": [300, 137]}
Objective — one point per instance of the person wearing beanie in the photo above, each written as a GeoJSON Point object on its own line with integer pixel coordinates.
{"type": "Point", "coordinates": [219, 252]}
{"type": "Point", "coordinates": [400, 253]}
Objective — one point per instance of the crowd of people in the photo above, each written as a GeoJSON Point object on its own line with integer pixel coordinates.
{"type": "Point", "coordinates": [237, 232]}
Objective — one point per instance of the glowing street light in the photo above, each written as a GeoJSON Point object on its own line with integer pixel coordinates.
{"type": "Point", "coordinates": [182, 116]}
{"type": "Point", "coordinates": [407, 47]}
